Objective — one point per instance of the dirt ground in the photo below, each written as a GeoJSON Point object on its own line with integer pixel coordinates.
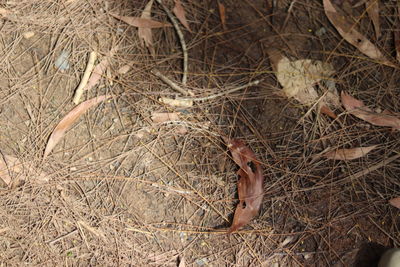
{"type": "Point", "coordinates": [122, 190]}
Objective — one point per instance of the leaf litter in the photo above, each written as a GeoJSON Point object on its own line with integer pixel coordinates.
{"type": "Point", "coordinates": [145, 34]}
{"type": "Point", "coordinates": [351, 35]}
{"type": "Point", "coordinates": [348, 154]}
{"type": "Point", "coordinates": [358, 109]}
{"type": "Point", "coordinates": [250, 184]}
{"type": "Point", "coordinates": [65, 124]}
{"type": "Point", "coordinates": [180, 13]}
{"type": "Point", "coordinates": [372, 7]}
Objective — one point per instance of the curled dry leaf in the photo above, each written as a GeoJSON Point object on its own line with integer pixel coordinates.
{"type": "Point", "coordinates": [395, 202]}
{"type": "Point", "coordinates": [250, 184]}
{"type": "Point", "coordinates": [357, 108]}
{"type": "Point", "coordinates": [145, 34]}
{"type": "Point", "coordinates": [179, 12]}
{"type": "Point", "coordinates": [68, 120]}
{"type": "Point", "coordinates": [298, 78]}
{"type": "Point", "coordinates": [141, 22]}
{"type": "Point", "coordinates": [13, 171]}
{"type": "Point", "coordinates": [349, 154]}
{"type": "Point", "coordinates": [351, 35]}
{"type": "Point", "coordinates": [372, 7]}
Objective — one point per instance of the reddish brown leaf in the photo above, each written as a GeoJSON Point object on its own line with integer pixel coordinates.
{"type": "Point", "coordinates": [348, 31]}
{"type": "Point", "coordinates": [141, 22]}
{"type": "Point", "coordinates": [68, 120]}
{"type": "Point", "coordinates": [179, 12]}
{"type": "Point", "coordinates": [159, 117]}
{"type": "Point", "coordinates": [395, 202]}
{"type": "Point", "coordinates": [349, 154]}
{"type": "Point", "coordinates": [222, 15]}
{"type": "Point", "coordinates": [145, 34]}
{"type": "Point", "coordinates": [358, 109]}
{"type": "Point", "coordinates": [250, 184]}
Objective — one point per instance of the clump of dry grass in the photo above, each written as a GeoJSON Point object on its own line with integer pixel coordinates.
{"type": "Point", "coordinates": [125, 191]}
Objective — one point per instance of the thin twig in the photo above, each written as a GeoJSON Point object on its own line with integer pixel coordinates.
{"type": "Point", "coordinates": [181, 39]}
{"type": "Point", "coordinates": [85, 77]}
{"type": "Point", "coordinates": [229, 91]}
{"type": "Point", "coordinates": [62, 237]}
{"type": "Point", "coordinates": [171, 84]}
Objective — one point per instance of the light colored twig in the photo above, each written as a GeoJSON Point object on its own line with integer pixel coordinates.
{"type": "Point", "coordinates": [62, 237]}
{"type": "Point", "coordinates": [171, 84]}
{"type": "Point", "coordinates": [229, 91]}
{"type": "Point", "coordinates": [85, 77]}
{"type": "Point", "coordinates": [181, 39]}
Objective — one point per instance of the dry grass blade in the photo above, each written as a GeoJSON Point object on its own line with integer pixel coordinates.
{"type": "Point", "coordinates": [351, 35]}
{"type": "Point", "coordinates": [250, 184]}
{"type": "Point", "coordinates": [372, 7]}
{"type": "Point", "coordinates": [357, 108]}
{"type": "Point", "coordinates": [349, 154]}
{"type": "Point", "coordinates": [141, 22]}
{"type": "Point", "coordinates": [179, 12]}
{"type": "Point", "coordinates": [395, 202]}
{"type": "Point", "coordinates": [68, 120]}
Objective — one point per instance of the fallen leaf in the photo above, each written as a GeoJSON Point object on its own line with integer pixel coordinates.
{"type": "Point", "coordinates": [372, 7]}
{"type": "Point", "coordinates": [159, 117]}
{"type": "Point", "coordinates": [68, 120]}
{"type": "Point", "coordinates": [179, 12]}
{"type": "Point", "coordinates": [99, 69]}
{"type": "Point", "coordinates": [299, 77]}
{"type": "Point", "coordinates": [250, 184]}
{"type": "Point", "coordinates": [13, 171]}
{"type": "Point", "coordinates": [145, 34]}
{"type": "Point", "coordinates": [357, 108]}
{"type": "Point", "coordinates": [184, 103]}
{"type": "Point", "coordinates": [351, 35]}
{"type": "Point", "coordinates": [395, 202]}
{"type": "Point", "coordinates": [348, 154]}
{"type": "Point", "coordinates": [141, 22]}
{"type": "Point", "coordinates": [222, 15]}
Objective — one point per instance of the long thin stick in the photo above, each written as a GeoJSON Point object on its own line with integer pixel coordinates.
{"type": "Point", "coordinates": [181, 39]}
{"type": "Point", "coordinates": [85, 77]}
{"type": "Point", "coordinates": [170, 83]}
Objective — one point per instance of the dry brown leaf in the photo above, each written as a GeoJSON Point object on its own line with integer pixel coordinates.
{"type": "Point", "coordinates": [99, 70]}
{"type": "Point", "coordinates": [351, 35]}
{"type": "Point", "coordinates": [159, 117]}
{"type": "Point", "coordinates": [348, 154]}
{"type": "Point", "coordinates": [141, 22]}
{"type": "Point", "coordinates": [68, 120]}
{"type": "Point", "coordinates": [145, 34]}
{"type": "Point", "coordinates": [179, 12]}
{"type": "Point", "coordinates": [298, 78]}
{"type": "Point", "coordinates": [372, 7]}
{"type": "Point", "coordinates": [395, 202]}
{"type": "Point", "coordinates": [250, 184]}
{"type": "Point", "coordinates": [357, 108]}
{"type": "Point", "coordinates": [12, 171]}
{"type": "Point", "coordinates": [222, 15]}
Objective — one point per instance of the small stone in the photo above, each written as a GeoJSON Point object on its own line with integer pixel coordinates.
{"type": "Point", "coordinates": [28, 35]}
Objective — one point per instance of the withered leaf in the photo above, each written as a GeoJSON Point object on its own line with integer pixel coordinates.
{"type": "Point", "coordinates": [179, 12]}
{"type": "Point", "coordinates": [351, 35]}
{"type": "Point", "coordinates": [250, 184]}
{"type": "Point", "coordinates": [145, 34]}
{"type": "Point", "coordinates": [141, 22]}
{"type": "Point", "coordinates": [68, 121]}
{"type": "Point", "coordinates": [357, 108]}
{"type": "Point", "coordinates": [372, 7]}
{"type": "Point", "coordinates": [348, 154]}
{"type": "Point", "coordinates": [395, 202]}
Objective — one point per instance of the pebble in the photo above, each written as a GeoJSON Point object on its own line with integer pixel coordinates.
{"type": "Point", "coordinates": [28, 35]}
